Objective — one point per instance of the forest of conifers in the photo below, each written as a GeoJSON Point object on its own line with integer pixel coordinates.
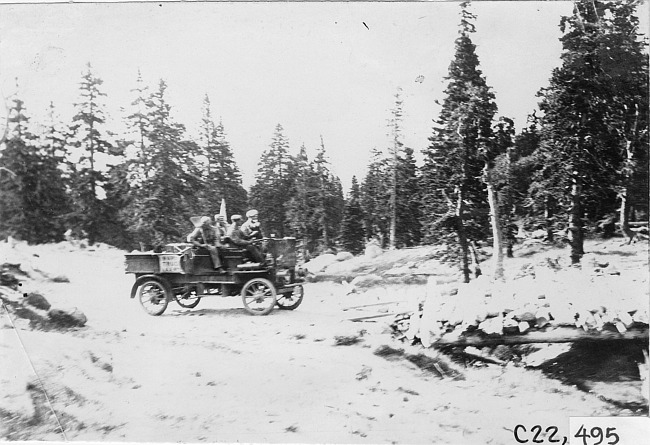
{"type": "Point", "coordinates": [579, 165]}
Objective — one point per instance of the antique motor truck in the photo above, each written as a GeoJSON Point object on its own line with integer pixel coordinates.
{"type": "Point", "coordinates": [185, 274]}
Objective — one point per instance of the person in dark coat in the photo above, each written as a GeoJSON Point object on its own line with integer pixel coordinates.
{"type": "Point", "coordinates": [251, 228]}
{"type": "Point", "coordinates": [239, 239]}
{"type": "Point", "coordinates": [205, 236]}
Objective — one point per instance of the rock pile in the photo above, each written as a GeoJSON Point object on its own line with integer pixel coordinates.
{"type": "Point", "coordinates": [33, 310]}
{"type": "Point", "coordinates": [544, 295]}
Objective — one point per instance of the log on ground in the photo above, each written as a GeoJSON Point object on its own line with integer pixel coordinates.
{"type": "Point", "coordinates": [559, 334]}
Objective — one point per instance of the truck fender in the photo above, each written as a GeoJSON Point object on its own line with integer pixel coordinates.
{"type": "Point", "coordinates": [143, 278]}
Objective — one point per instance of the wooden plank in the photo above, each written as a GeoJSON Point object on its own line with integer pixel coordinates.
{"type": "Point", "coordinates": [373, 304]}
{"type": "Point", "coordinates": [551, 335]}
{"type": "Point", "coordinates": [370, 317]}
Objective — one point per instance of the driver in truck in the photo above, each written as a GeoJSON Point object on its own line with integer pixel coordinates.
{"type": "Point", "coordinates": [251, 228]}
{"type": "Point", "coordinates": [205, 236]}
{"type": "Point", "coordinates": [238, 239]}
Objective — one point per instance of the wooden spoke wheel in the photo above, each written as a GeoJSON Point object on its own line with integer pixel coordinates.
{"type": "Point", "coordinates": [291, 300]}
{"type": "Point", "coordinates": [153, 296]}
{"type": "Point", "coordinates": [259, 296]}
{"type": "Point", "coordinates": [188, 298]}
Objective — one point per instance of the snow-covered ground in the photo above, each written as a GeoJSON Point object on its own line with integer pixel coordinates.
{"type": "Point", "coordinates": [215, 373]}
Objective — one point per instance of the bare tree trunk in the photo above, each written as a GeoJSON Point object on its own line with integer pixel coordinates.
{"type": "Point", "coordinates": [326, 239]}
{"type": "Point", "coordinates": [624, 220]}
{"type": "Point", "coordinates": [548, 217]}
{"type": "Point", "coordinates": [510, 213]}
{"type": "Point", "coordinates": [624, 217]}
{"type": "Point", "coordinates": [575, 222]}
{"type": "Point", "coordinates": [509, 245]}
{"type": "Point", "coordinates": [476, 264]}
{"type": "Point", "coordinates": [497, 241]}
{"type": "Point", "coordinates": [462, 237]}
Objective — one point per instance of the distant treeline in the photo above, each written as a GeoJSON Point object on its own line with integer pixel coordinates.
{"type": "Point", "coordinates": [581, 162]}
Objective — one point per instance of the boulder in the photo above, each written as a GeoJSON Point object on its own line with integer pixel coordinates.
{"type": "Point", "coordinates": [398, 271]}
{"type": "Point", "coordinates": [38, 301]}
{"type": "Point", "coordinates": [344, 256]}
{"type": "Point", "coordinates": [538, 234]}
{"type": "Point", "coordinates": [373, 250]}
{"type": "Point", "coordinates": [9, 280]}
{"type": "Point", "coordinates": [67, 319]}
{"type": "Point", "coordinates": [319, 263]}
{"type": "Point", "coordinates": [366, 280]}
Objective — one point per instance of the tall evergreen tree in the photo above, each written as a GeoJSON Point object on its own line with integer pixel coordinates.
{"type": "Point", "coordinates": [352, 236]}
{"type": "Point", "coordinates": [375, 197]}
{"type": "Point", "coordinates": [118, 198]}
{"type": "Point", "coordinates": [624, 66]}
{"type": "Point", "coordinates": [452, 166]}
{"type": "Point", "coordinates": [303, 221]}
{"type": "Point", "coordinates": [274, 185]}
{"type": "Point", "coordinates": [408, 203]}
{"type": "Point", "coordinates": [503, 173]}
{"type": "Point", "coordinates": [138, 120]}
{"type": "Point", "coordinates": [164, 184]}
{"type": "Point", "coordinates": [221, 176]}
{"type": "Point", "coordinates": [32, 190]}
{"type": "Point", "coordinates": [390, 195]}
{"type": "Point", "coordinates": [89, 139]}
{"type": "Point", "coordinates": [498, 195]}
{"type": "Point", "coordinates": [592, 113]}
{"type": "Point", "coordinates": [395, 125]}
{"type": "Point", "coordinates": [330, 202]}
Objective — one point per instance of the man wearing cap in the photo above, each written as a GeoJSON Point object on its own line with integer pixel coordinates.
{"type": "Point", "coordinates": [251, 228]}
{"type": "Point", "coordinates": [221, 228]}
{"type": "Point", "coordinates": [238, 239]}
{"type": "Point", "coordinates": [205, 236]}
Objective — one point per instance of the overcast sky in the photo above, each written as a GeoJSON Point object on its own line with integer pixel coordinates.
{"type": "Point", "coordinates": [327, 69]}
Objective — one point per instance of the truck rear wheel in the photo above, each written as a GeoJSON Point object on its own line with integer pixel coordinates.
{"type": "Point", "coordinates": [153, 296]}
{"type": "Point", "coordinates": [188, 298]}
{"type": "Point", "coordinates": [291, 300]}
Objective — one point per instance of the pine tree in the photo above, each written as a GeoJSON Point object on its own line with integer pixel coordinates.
{"type": "Point", "coordinates": [273, 185]}
{"type": "Point", "coordinates": [390, 195]}
{"type": "Point", "coordinates": [221, 176]}
{"type": "Point", "coordinates": [329, 202]}
{"type": "Point", "coordinates": [543, 194]}
{"type": "Point", "coordinates": [375, 198]}
{"type": "Point", "coordinates": [453, 166]}
{"type": "Point", "coordinates": [504, 175]}
{"type": "Point", "coordinates": [118, 198]}
{"type": "Point", "coordinates": [164, 184]}
{"type": "Point", "coordinates": [88, 139]}
{"type": "Point", "coordinates": [407, 207]}
{"type": "Point", "coordinates": [352, 236]}
{"type": "Point", "coordinates": [624, 66]}
{"type": "Point", "coordinates": [592, 114]}
{"type": "Point", "coordinates": [301, 211]}
{"type": "Point", "coordinates": [32, 191]}
{"type": "Point", "coordinates": [497, 194]}
{"type": "Point", "coordinates": [138, 121]}
{"type": "Point", "coordinates": [396, 146]}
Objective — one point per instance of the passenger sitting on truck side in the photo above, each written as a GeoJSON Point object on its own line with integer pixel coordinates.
{"type": "Point", "coordinates": [205, 236]}
{"type": "Point", "coordinates": [251, 228]}
{"type": "Point", "coordinates": [238, 239]}
{"type": "Point", "coordinates": [221, 229]}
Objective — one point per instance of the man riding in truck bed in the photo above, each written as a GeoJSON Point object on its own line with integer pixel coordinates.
{"type": "Point", "coordinates": [205, 236]}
